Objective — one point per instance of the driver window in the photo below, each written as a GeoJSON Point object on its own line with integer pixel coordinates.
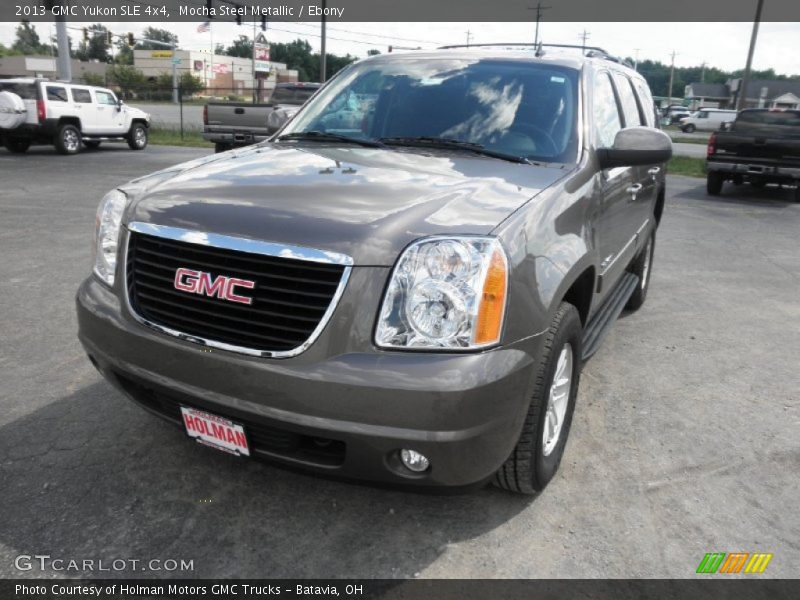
{"type": "Point", "coordinates": [105, 98]}
{"type": "Point", "coordinates": [606, 112]}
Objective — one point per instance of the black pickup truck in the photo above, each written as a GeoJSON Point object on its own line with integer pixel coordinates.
{"type": "Point", "coordinates": [761, 146]}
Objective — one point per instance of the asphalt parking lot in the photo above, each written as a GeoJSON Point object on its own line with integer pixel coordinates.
{"type": "Point", "coordinates": [685, 439]}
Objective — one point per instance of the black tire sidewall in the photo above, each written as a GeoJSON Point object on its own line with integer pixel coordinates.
{"type": "Point", "coordinates": [17, 146]}
{"type": "Point", "coordinates": [569, 331]}
{"type": "Point", "coordinates": [637, 268]}
{"type": "Point", "coordinates": [714, 183]}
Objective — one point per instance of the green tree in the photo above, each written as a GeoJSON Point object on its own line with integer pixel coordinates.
{"type": "Point", "coordinates": [27, 40]}
{"type": "Point", "coordinates": [124, 55]}
{"type": "Point", "coordinates": [242, 47]}
{"type": "Point", "coordinates": [94, 79]}
{"type": "Point", "coordinates": [127, 78]}
{"type": "Point", "coordinates": [159, 35]}
{"type": "Point", "coordinates": [96, 48]}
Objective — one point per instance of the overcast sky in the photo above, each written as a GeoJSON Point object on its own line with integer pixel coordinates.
{"type": "Point", "coordinates": [722, 45]}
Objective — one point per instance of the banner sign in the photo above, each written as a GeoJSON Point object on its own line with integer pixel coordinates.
{"type": "Point", "coordinates": [261, 57]}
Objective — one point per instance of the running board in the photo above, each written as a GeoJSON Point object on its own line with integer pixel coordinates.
{"type": "Point", "coordinates": [602, 321]}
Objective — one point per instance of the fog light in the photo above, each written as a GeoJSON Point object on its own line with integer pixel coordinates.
{"type": "Point", "coordinates": [414, 461]}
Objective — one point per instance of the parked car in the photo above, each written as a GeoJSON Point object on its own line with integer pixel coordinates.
{"type": "Point", "coordinates": [234, 124]}
{"type": "Point", "coordinates": [706, 119]}
{"type": "Point", "coordinates": [761, 146]}
{"type": "Point", "coordinates": [404, 284]}
{"type": "Point", "coordinates": [39, 111]}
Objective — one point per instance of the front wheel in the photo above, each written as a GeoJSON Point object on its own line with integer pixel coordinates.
{"type": "Point", "coordinates": [137, 137]}
{"type": "Point", "coordinates": [537, 455]}
{"type": "Point", "coordinates": [68, 139]}
{"type": "Point", "coordinates": [689, 129]}
{"type": "Point", "coordinates": [18, 146]}
{"type": "Point", "coordinates": [642, 267]}
{"type": "Point", "coordinates": [714, 182]}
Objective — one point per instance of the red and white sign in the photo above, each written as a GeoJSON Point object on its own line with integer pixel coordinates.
{"type": "Point", "coordinates": [261, 57]}
{"type": "Point", "coordinates": [224, 288]}
{"type": "Point", "coordinates": [221, 69]}
{"type": "Point", "coordinates": [215, 431]}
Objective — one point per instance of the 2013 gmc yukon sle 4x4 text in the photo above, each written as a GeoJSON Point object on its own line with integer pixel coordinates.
{"type": "Point", "coordinates": [402, 285]}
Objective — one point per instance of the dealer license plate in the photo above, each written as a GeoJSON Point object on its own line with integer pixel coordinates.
{"type": "Point", "coordinates": [217, 432]}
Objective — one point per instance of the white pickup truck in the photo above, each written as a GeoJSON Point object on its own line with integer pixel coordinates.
{"type": "Point", "coordinates": [39, 111]}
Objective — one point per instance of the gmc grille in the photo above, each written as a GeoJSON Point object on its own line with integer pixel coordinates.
{"type": "Point", "coordinates": [290, 297]}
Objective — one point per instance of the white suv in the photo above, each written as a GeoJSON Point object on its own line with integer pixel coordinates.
{"type": "Point", "coordinates": [37, 111]}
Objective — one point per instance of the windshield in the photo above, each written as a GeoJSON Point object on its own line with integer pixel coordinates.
{"type": "Point", "coordinates": [789, 118]}
{"type": "Point", "coordinates": [511, 107]}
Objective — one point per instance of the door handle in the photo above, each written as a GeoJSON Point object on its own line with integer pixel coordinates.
{"type": "Point", "coordinates": [634, 190]}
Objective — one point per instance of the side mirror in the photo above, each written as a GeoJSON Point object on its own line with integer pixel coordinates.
{"type": "Point", "coordinates": [119, 104]}
{"type": "Point", "coordinates": [636, 146]}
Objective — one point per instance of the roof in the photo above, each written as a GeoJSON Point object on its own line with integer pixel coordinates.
{"type": "Point", "coordinates": [774, 88]}
{"type": "Point", "coordinates": [709, 90]}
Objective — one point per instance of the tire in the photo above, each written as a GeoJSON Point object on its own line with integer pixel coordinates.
{"type": "Point", "coordinates": [534, 462]}
{"type": "Point", "coordinates": [92, 144]}
{"type": "Point", "coordinates": [220, 147]}
{"type": "Point", "coordinates": [797, 192]}
{"type": "Point", "coordinates": [642, 267]}
{"type": "Point", "coordinates": [68, 139]}
{"type": "Point", "coordinates": [137, 137]}
{"type": "Point", "coordinates": [17, 146]}
{"type": "Point", "coordinates": [714, 182]}
{"type": "Point", "coordinates": [689, 128]}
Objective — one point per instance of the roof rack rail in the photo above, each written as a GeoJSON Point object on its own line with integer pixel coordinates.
{"type": "Point", "coordinates": [590, 51]}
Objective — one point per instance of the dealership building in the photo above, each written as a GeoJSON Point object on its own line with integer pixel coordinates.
{"type": "Point", "coordinates": [222, 75]}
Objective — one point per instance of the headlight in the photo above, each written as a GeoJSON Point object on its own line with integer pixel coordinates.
{"type": "Point", "coordinates": [445, 293]}
{"type": "Point", "coordinates": [107, 225]}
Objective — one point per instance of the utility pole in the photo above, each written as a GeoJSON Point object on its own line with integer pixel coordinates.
{"type": "Point", "coordinates": [671, 77]}
{"type": "Point", "coordinates": [322, 57]}
{"type": "Point", "coordinates": [538, 8]}
{"type": "Point", "coordinates": [64, 61]}
{"type": "Point", "coordinates": [741, 99]}
{"type": "Point", "coordinates": [469, 35]}
{"type": "Point", "coordinates": [584, 36]}
{"type": "Point", "coordinates": [703, 72]}
{"type": "Point", "coordinates": [636, 59]}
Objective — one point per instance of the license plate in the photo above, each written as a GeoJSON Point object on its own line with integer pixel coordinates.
{"type": "Point", "coordinates": [217, 432]}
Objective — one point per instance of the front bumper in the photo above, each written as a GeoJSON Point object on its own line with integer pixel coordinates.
{"type": "Point", "coordinates": [345, 414]}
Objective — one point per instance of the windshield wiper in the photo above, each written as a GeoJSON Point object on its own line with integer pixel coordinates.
{"type": "Point", "coordinates": [321, 136]}
{"type": "Point", "coordinates": [437, 142]}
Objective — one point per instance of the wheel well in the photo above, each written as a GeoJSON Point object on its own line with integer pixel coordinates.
{"type": "Point", "coordinates": [70, 121]}
{"type": "Point", "coordinates": [141, 121]}
{"type": "Point", "coordinates": [580, 293]}
{"type": "Point", "coordinates": [659, 209]}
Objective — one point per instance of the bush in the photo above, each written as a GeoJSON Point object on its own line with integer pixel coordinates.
{"type": "Point", "coordinates": [94, 79]}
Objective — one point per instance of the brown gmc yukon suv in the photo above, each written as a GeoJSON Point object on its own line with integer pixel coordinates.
{"type": "Point", "coordinates": [403, 284]}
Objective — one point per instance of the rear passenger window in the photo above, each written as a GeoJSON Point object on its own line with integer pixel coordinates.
{"type": "Point", "coordinates": [56, 94]}
{"type": "Point", "coordinates": [26, 91]}
{"type": "Point", "coordinates": [81, 96]}
{"type": "Point", "coordinates": [606, 115]}
{"type": "Point", "coordinates": [629, 107]}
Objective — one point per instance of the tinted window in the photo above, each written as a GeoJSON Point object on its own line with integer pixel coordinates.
{"type": "Point", "coordinates": [629, 107]}
{"type": "Point", "coordinates": [105, 98]}
{"type": "Point", "coordinates": [512, 107]}
{"type": "Point", "coordinates": [295, 96]}
{"type": "Point", "coordinates": [789, 118]}
{"type": "Point", "coordinates": [56, 94]}
{"type": "Point", "coordinates": [606, 115]}
{"type": "Point", "coordinates": [82, 96]}
{"type": "Point", "coordinates": [26, 91]}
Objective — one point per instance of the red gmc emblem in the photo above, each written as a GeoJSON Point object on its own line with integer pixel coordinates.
{"type": "Point", "coordinates": [199, 282]}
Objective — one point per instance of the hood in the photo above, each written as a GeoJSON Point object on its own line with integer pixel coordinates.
{"type": "Point", "coordinates": [367, 203]}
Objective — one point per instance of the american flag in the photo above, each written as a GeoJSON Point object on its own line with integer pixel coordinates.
{"type": "Point", "coordinates": [204, 27]}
